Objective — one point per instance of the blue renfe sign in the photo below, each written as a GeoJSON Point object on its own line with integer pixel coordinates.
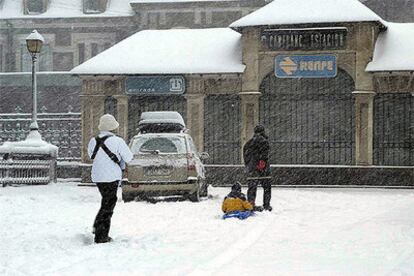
{"type": "Point", "coordinates": [164, 85]}
{"type": "Point", "coordinates": [305, 66]}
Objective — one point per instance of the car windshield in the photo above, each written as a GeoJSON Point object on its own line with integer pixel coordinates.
{"type": "Point", "coordinates": [158, 144]}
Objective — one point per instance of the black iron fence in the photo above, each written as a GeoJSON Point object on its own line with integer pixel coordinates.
{"type": "Point", "coordinates": [303, 128]}
{"type": "Point", "coordinates": [60, 129]}
{"type": "Point", "coordinates": [139, 104]}
{"type": "Point", "coordinates": [309, 121]}
{"type": "Point", "coordinates": [394, 129]}
{"type": "Point", "coordinates": [222, 125]}
{"type": "Point", "coordinates": [310, 129]}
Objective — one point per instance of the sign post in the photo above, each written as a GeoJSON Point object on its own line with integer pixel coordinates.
{"type": "Point", "coordinates": [304, 39]}
{"type": "Point", "coordinates": [305, 66]}
{"type": "Point", "coordinates": [155, 85]}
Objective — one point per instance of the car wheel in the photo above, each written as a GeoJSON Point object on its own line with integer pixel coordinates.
{"type": "Point", "coordinates": [204, 190]}
{"type": "Point", "coordinates": [194, 197]}
{"type": "Point", "coordinates": [141, 197]}
{"type": "Point", "coordinates": [127, 198]}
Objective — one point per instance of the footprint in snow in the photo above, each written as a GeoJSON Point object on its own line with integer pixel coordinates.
{"type": "Point", "coordinates": [85, 239]}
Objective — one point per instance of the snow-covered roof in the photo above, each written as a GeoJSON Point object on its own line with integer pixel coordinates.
{"type": "Point", "coordinates": [281, 12]}
{"type": "Point", "coordinates": [394, 49]}
{"type": "Point", "coordinates": [64, 9]}
{"type": "Point", "coordinates": [183, 51]}
{"type": "Point", "coordinates": [176, 1]}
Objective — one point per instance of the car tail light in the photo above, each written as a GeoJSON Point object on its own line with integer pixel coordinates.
{"type": "Point", "coordinates": [191, 166]}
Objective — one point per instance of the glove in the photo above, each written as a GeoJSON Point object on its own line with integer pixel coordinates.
{"type": "Point", "coordinates": [261, 166]}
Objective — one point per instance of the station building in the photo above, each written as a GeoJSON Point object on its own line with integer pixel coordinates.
{"type": "Point", "coordinates": [330, 80]}
{"type": "Point", "coordinates": [74, 32]}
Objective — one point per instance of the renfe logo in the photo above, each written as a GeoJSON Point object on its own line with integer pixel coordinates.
{"type": "Point", "coordinates": [305, 66]}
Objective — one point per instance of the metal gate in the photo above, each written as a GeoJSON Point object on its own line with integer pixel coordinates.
{"type": "Point", "coordinates": [394, 129]}
{"type": "Point", "coordinates": [222, 123]}
{"type": "Point", "coordinates": [309, 121]}
{"type": "Point", "coordinates": [139, 104]}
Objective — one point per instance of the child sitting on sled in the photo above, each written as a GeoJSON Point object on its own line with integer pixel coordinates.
{"type": "Point", "coordinates": [235, 204]}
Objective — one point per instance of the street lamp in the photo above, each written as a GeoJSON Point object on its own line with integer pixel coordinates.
{"type": "Point", "coordinates": [34, 44]}
{"type": "Point", "coordinates": [33, 150]}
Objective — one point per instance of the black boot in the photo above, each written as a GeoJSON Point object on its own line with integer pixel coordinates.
{"type": "Point", "coordinates": [257, 208]}
{"type": "Point", "coordinates": [104, 240]}
{"type": "Point", "coordinates": [267, 195]}
{"type": "Point", "coordinates": [268, 208]}
{"type": "Point", "coordinates": [251, 191]}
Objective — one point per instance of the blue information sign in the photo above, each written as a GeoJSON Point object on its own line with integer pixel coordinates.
{"type": "Point", "coordinates": [305, 66]}
{"type": "Point", "coordinates": [165, 85]}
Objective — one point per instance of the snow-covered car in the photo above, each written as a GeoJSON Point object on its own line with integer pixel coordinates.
{"type": "Point", "coordinates": [165, 162]}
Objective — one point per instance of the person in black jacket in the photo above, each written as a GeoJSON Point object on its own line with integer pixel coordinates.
{"type": "Point", "coordinates": [256, 161]}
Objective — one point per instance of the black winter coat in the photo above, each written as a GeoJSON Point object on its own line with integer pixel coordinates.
{"type": "Point", "coordinates": [254, 150]}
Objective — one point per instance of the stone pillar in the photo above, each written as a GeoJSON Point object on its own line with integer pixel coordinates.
{"type": "Point", "coordinates": [249, 113]}
{"type": "Point", "coordinates": [122, 115]}
{"type": "Point", "coordinates": [251, 49]}
{"type": "Point", "coordinates": [195, 119]}
{"type": "Point", "coordinates": [364, 119]}
{"type": "Point", "coordinates": [364, 93]}
{"type": "Point", "coordinates": [92, 108]}
{"type": "Point", "coordinates": [250, 84]}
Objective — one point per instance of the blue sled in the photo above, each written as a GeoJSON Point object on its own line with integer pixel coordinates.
{"type": "Point", "coordinates": [238, 214]}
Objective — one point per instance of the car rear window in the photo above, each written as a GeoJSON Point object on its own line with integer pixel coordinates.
{"type": "Point", "coordinates": [159, 145]}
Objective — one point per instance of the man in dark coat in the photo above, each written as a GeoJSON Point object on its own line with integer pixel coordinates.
{"type": "Point", "coordinates": [256, 161]}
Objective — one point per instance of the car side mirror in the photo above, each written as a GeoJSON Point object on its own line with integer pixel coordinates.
{"type": "Point", "coordinates": [204, 155]}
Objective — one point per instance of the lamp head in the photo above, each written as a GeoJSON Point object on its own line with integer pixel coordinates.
{"type": "Point", "coordinates": [34, 42]}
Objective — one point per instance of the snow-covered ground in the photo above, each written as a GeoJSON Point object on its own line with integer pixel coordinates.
{"type": "Point", "coordinates": [45, 230]}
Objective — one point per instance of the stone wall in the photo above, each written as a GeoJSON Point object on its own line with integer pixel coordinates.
{"type": "Point", "coordinates": [318, 176]}
{"type": "Point", "coordinates": [392, 10]}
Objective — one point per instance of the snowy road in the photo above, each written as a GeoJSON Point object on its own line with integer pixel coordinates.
{"type": "Point", "coordinates": [45, 230]}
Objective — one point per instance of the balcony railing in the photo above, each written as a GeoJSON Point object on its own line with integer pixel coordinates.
{"type": "Point", "coordinates": [27, 171]}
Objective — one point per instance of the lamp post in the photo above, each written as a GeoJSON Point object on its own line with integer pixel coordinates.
{"type": "Point", "coordinates": [34, 44]}
{"type": "Point", "coordinates": [33, 149]}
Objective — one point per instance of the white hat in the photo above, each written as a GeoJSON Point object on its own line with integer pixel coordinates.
{"type": "Point", "coordinates": [107, 123]}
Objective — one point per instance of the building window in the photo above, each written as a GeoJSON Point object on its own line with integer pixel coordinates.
{"type": "Point", "coordinates": [153, 20]}
{"type": "Point", "coordinates": [1, 58]}
{"type": "Point", "coordinates": [81, 53]}
{"type": "Point", "coordinates": [110, 106]}
{"type": "Point", "coordinates": [62, 61]}
{"type": "Point", "coordinates": [209, 17]}
{"type": "Point", "coordinates": [94, 49]}
{"type": "Point", "coordinates": [94, 6]}
{"type": "Point", "coordinates": [44, 60]}
{"type": "Point", "coordinates": [197, 17]}
{"type": "Point", "coordinates": [34, 6]}
{"type": "Point", "coordinates": [107, 45]}
{"type": "Point", "coordinates": [163, 18]}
